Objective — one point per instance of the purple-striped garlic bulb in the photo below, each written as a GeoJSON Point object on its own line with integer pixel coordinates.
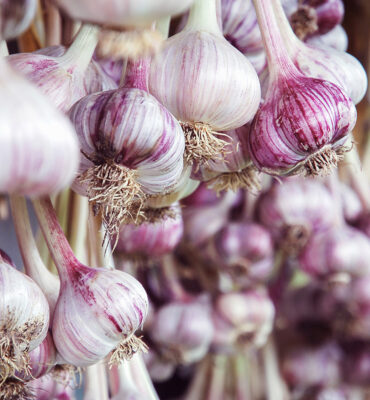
{"type": "Point", "coordinates": [183, 330]}
{"type": "Point", "coordinates": [316, 17]}
{"type": "Point", "coordinates": [242, 319]}
{"type": "Point", "coordinates": [24, 319]}
{"type": "Point", "coordinates": [336, 38]}
{"type": "Point", "coordinates": [294, 209]}
{"type": "Point", "coordinates": [327, 64]}
{"type": "Point", "coordinates": [304, 122]}
{"type": "Point", "coordinates": [206, 83]}
{"type": "Point", "coordinates": [39, 150]}
{"type": "Point", "coordinates": [98, 310]}
{"type": "Point", "coordinates": [152, 239]}
{"type": "Point", "coordinates": [305, 367]}
{"type": "Point", "coordinates": [16, 16]}
{"type": "Point", "coordinates": [240, 27]}
{"type": "Point", "coordinates": [235, 169]}
{"type": "Point", "coordinates": [132, 149]}
{"type": "Point", "coordinates": [337, 254]}
{"type": "Point", "coordinates": [48, 388]}
{"type": "Point", "coordinates": [62, 77]}
{"type": "Point", "coordinates": [245, 251]}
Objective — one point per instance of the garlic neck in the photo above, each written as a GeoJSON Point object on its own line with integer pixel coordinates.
{"type": "Point", "coordinates": [203, 17]}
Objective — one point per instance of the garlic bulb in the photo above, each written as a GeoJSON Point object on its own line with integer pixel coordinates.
{"type": "Point", "coordinates": [62, 79]}
{"type": "Point", "coordinates": [242, 319]}
{"type": "Point", "coordinates": [328, 64]}
{"type": "Point", "coordinates": [337, 254]}
{"type": "Point", "coordinates": [183, 330]}
{"type": "Point", "coordinates": [16, 16]}
{"type": "Point", "coordinates": [47, 388]}
{"type": "Point", "coordinates": [24, 318]}
{"type": "Point", "coordinates": [235, 170]}
{"type": "Point", "coordinates": [128, 137]}
{"type": "Point", "coordinates": [38, 145]}
{"type": "Point", "coordinates": [295, 209]}
{"type": "Point", "coordinates": [337, 39]}
{"type": "Point", "coordinates": [152, 239]}
{"type": "Point", "coordinates": [240, 27]}
{"type": "Point", "coordinates": [304, 122]}
{"type": "Point", "coordinates": [122, 12]}
{"type": "Point", "coordinates": [205, 83]}
{"type": "Point", "coordinates": [98, 310]}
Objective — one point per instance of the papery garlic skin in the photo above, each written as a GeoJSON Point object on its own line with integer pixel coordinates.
{"type": "Point", "coordinates": [39, 149]}
{"type": "Point", "coordinates": [24, 317]}
{"type": "Point", "coordinates": [192, 74]}
{"type": "Point", "coordinates": [122, 12]}
{"type": "Point", "coordinates": [183, 330]}
{"type": "Point", "coordinates": [152, 239]}
{"type": "Point", "coordinates": [16, 16]}
{"type": "Point", "coordinates": [136, 130]}
{"type": "Point", "coordinates": [337, 39]}
{"type": "Point", "coordinates": [96, 310]}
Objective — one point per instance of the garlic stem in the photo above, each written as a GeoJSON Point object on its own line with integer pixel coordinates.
{"type": "Point", "coordinates": [34, 266]}
{"type": "Point", "coordinates": [58, 245]}
{"type": "Point", "coordinates": [4, 49]}
{"type": "Point", "coordinates": [217, 379]}
{"type": "Point", "coordinates": [141, 377]}
{"type": "Point", "coordinates": [78, 227]}
{"type": "Point", "coordinates": [136, 74]}
{"type": "Point", "coordinates": [171, 279]}
{"type": "Point", "coordinates": [278, 58]}
{"type": "Point", "coordinates": [203, 17]}
{"type": "Point", "coordinates": [96, 383]}
{"type": "Point", "coordinates": [199, 381]}
{"type": "Point", "coordinates": [83, 46]}
{"type": "Point", "coordinates": [163, 26]}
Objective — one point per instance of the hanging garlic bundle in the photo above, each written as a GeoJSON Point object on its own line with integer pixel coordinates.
{"type": "Point", "coordinates": [235, 170]}
{"type": "Point", "coordinates": [152, 239]}
{"type": "Point", "coordinates": [304, 122]}
{"type": "Point", "coordinates": [132, 148]}
{"type": "Point", "coordinates": [16, 15]}
{"type": "Point", "coordinates": [62, 79]}
{"type": "Point", "coordinates": [205, 83]}
{"type": "Point", "coordinates": [39, 150]}
{"type": "Point", "coordinates": [331, 65]}
{"type": "Point", "coordinates": [24, 319]}
{"type": "Point", "coordinates": [98, 310]}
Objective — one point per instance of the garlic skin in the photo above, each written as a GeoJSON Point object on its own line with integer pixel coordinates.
{"type": "Point", "coordinates": [192, 90]}
{"type": "Point", "coordinates": [61, 78]}
{"type": "Point", "coordinates": [16, 16]}
{"type": "Point", "coordinates": [96, 310]}
{"type": "Point", "coordinates": [242, 319]}
{"type": "Point", "coordinates": [160, 370]}
{"type": "Point", "coordinates": [47, 388]}
{"type": "Point", "coordinates": [183, 330]}
{"type": "Point", "coordinates": [122, 12]}
{"type": "Point", "coordinates": [44, 163]}
{"type": "Point", "coordinates": [152, 239]}
{"type": "Point", "coordinates": [337, 39]}
{"type": "Point", "coordinates": [337, 254]}
{"type": "Point", "coordinates": [24, 318]}
{"type": "Point", "coordinates": [240, 27]}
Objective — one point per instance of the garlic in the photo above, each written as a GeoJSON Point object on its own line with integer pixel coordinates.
{"type": "Point", "coordinates": [98, 310]}
{"type": "Point", "coordinates": [316, 17]}
{"type": "Point", "coordinates": [159, 369]}
{"type": "Point", "coordinates": [295, 209]}
{"type": "Point", "coordinates": [152, 239]}
{"type": "Point", "coordinates": [242, 319]}
{"type": "Point", "coordinates": [205, 83]}
{"type": "Point", "coordinates": [240, 27]}
{"type": "Point", "coordinates": [62, 79]}
{"type": "Point", "coordinates": [24, 319]}
{"type": "Point", "coordinates": [304, 122]}
{"type": "Point", "coordinates": [328, 64]}
{"type": "Point", "coordinates": [16, 16]}
{"type": "Point", "coordinates": [35, 162]}
{"type": "Point", "coordinates": [183, 330]}
{"type": "Point", "coordinates": [337, 254]}
{"type": "Point", "coordinates": [47, 388]}
{"type": "Point", "coordinates": [235, 170]}
{"type": "Point", "coordinates": [119, 13]}
{"type": "Point", "coordinates": [126, 136]}
{"type": "Point", "coordinates": [337, 39]}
